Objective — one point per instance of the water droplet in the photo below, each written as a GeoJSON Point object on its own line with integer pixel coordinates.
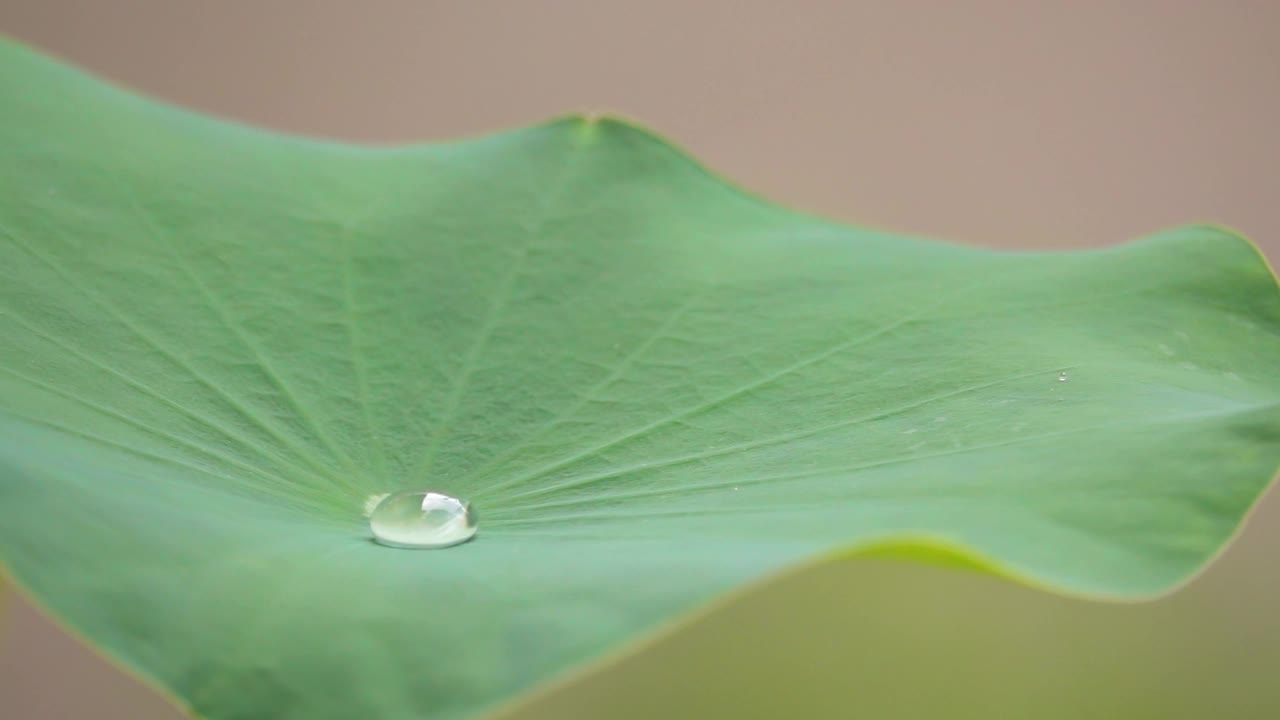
{"type": "Point", "coordinates": [1062, 376]}
{"type": "Point", "coordinates": [372, 501]}
{"type": "Point", "coordinates": [422, 519]}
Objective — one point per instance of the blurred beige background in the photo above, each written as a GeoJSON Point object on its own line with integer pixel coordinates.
{"type": "Point", "coordinates": [1005, 123]}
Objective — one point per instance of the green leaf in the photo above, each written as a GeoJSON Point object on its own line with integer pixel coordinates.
{"type": "Point", "coordinates": [218, 343]}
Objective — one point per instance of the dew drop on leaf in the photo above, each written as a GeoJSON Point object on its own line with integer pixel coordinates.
{"type": "Point", "coordinates": [422, 519]}
{"type": "Point", "coordinates": [373, 501]}
{"type": "Point", "coordinates": [1062, 377]}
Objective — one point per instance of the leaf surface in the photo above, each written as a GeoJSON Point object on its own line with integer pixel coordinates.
{"type": "Point", "coordinates": [217, 343]}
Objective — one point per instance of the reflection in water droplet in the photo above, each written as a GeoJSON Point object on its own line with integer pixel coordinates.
{"type": "Point", "coordinates": [1062, 376]}
{"type": "Point", "coordinates": [372, 502]}
{"type": "Point", "coordinates": [422, 519]}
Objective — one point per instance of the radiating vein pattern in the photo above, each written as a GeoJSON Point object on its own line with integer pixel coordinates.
{"type": "Point", "coordinates": [217, 344]}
